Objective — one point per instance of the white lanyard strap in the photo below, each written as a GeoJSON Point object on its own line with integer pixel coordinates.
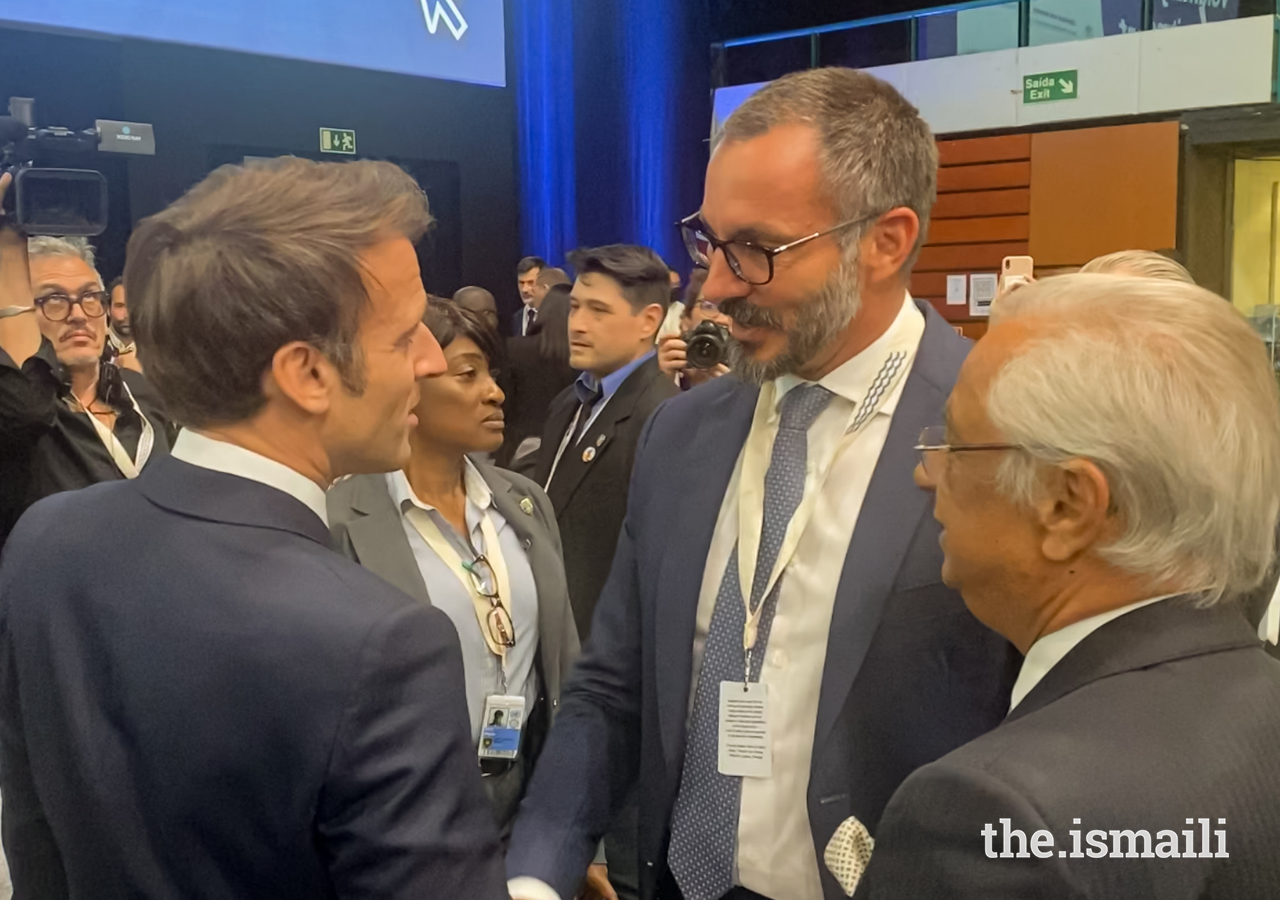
{"type": "Point", "coordinates": [129, 468]}
{"type": "Point", "coordinates": [491, 551]}
{"type": "Point", "coordinates": [751, 487]}
{"type": "Point", "coordinates": [564, 445]}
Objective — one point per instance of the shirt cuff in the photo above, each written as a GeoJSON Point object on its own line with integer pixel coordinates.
{"type": "Point", "coordinates": [526, 888]}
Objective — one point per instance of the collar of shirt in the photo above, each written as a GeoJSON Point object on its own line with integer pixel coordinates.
{"type": "Point", "coordinates": [588, 384]}
{"type": "Point", "coordinates": [231, 459]}
{"type": "Point", "coordinates": [473, 482]}
{"type": "Point", "coordinates": [1051, 649]}
{"type": "Point", "coordinates": [853, 379]}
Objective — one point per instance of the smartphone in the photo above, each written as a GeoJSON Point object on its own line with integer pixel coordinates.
{"type": "Point", "coordinates": [1015, 270]}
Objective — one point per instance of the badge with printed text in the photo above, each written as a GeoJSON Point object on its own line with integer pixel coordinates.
{"type": "Point", "coordinates": [745, 749]}
{"type": "Point", "coordinates": [503, 721]}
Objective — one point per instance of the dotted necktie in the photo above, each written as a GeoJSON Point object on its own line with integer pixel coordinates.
{"type": "Point", "coordinates": [704, 827]}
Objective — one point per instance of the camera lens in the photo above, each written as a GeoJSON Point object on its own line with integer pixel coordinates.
{"type": "Point", "coordinates": [706, 346]}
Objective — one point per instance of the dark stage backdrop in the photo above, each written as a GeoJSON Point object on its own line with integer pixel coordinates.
{"type": "Point", "coordinates": [621, 155]}
{"type": "Point", "coordinates": [458, 139]}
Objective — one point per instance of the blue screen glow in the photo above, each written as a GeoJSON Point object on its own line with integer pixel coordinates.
{"type": "Point", "coordinates": [459, 40]}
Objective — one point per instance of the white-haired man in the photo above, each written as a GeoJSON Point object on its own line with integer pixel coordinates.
{"type": "Point", "coordinates": [1108, 482]}
{"type": "Point", "coordinates": [67, 420]}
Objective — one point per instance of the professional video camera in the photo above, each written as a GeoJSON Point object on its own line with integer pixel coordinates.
{"type": "Point", "coordinates": [61, 202]}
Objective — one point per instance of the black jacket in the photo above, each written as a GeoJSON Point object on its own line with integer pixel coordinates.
{"type": "Point", "coordinates": [531, 384]}
{"type": "Point", "coordinates": [1165, 714]}
{"type": "Point", "coordinates": [589, 491]}
{"type": "Point", "coordinates": [46, 448]}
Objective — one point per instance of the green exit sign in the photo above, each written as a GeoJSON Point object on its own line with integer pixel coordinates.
{"type": "Point", "coordinates": [338, 140]}
{"type": "Point", "coordinates": [1051, 86]}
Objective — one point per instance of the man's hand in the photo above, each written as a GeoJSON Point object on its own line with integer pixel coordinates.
{"type": "Point", "coordinates": [597, 886]}
{"type": "Point", "coordinates": [671, 354]}
{"type": "Point", "coordinates": [20, 334]}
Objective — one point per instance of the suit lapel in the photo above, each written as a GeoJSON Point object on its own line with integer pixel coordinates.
{"type": "Point", "coordinates": [705, 470]}
{"type": "Point", "coordinates": [580, 457]}
{"type": "Point", "coordinates": [1164, 631]}
{"type": "Point", "coordinates": [379, 539]}
{"type": "Point", "coordinates": [890, 514]}
{"type": "Point", "coordinates": [548, 570]}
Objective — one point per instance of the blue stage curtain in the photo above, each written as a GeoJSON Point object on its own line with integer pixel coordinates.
{"type": "Point", "coordinates": [543, 37]}
{"type": "Point", "coordinates": [630, 86]}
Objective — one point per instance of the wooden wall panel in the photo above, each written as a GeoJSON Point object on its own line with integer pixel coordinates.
{"type": "Point", "coordinates": [968, 257]}
{"type": "Point", "coordinates": [980, 230]}
{"type": "Point", "coordinates": [984, 150]}
{"type": "Point", "coordinates": [1098, 190]}
{"type": "Point", "coordinates": [984, 177]}
{"type": "Point", "coordinates": [982, 215]}
{"type": "Point", "coordinates": [1014, 201]}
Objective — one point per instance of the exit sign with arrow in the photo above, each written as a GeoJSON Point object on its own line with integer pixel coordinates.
{"type": "Point", "coordinates": [1051, 86]}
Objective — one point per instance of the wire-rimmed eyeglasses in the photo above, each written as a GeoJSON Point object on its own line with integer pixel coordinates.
{"type": "Point", "coordinates": [933, 448]}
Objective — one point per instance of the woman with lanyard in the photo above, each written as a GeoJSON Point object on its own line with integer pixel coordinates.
{"type": "Point", "coordinates": [67, 419]}
{"type": "Point", "coordinates": [479, 543]}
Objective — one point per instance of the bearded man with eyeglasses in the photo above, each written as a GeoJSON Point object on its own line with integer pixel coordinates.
{"type": "Point", "coordinates": [774, 651]}
{"type": "Point", "coordinates": [67, 419]}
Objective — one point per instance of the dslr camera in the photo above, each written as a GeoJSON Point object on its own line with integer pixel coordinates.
{"type": "Point", "coordinates": [56, 201]}
{"type": "Point", "coordinates": [706, 345]}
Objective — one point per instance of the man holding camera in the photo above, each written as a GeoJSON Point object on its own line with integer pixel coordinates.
{"type": "Point", "coordinates": [697, 354]}
{"type": "Point", "coordinates": [67, 419]}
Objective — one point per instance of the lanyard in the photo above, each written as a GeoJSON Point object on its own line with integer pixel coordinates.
{"type": "Point", "coordinates": [564, 445]}
{"type": "Point", "coordinates": [491, 550]}
{"type": "Point", "coordinates": [751, 489]}
{"type": "Point", "coordinates": [129, 468]}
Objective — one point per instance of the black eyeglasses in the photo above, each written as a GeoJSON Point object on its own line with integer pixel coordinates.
{"type": "Point", "coordinates": [501, 629]}
{"type": "Point", "coordinates": [748, 260]}
{"type": "Point", "coordinates": [933, 446]}
{"type": "Point", "coordinates": [57, 307]}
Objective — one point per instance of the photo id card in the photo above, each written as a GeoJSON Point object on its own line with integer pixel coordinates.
{"type": "Point", "coordinates": [500, 732]}
{"type": "Point", "coordinates": [745, 748]}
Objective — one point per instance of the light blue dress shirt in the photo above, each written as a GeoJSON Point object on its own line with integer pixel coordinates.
{"type": "Point", "coordinates": [587, 384]}
{"type": "Point", "coordinates": [480, 667]}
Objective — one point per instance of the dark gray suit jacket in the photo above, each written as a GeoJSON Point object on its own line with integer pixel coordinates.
{"type": "Point", "coordinates": [367, 528]}
{"type": "Point", "coordinates": [1164, 714]}
{"type": "Point", "coordinates": [909, 675]}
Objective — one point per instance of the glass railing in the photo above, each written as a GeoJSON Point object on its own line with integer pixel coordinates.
{"type": "Point", "coordinates": [960, 29]}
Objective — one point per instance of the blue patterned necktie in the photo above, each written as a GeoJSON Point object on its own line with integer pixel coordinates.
{"type": "Point", "coordinates": [704, 827]}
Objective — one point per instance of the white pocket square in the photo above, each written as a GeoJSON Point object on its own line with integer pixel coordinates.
{"type": "Point", "coordinates": [848, 853]}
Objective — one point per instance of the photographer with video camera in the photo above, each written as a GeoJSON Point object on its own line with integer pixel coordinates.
{"type": "Point", "coordinates": [67, 419]}
{"type": "Point", "coordinates": [696, 355]}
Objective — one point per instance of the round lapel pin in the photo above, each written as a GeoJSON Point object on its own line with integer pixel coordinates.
{"type": "Point", "coordinates": [588, 454]}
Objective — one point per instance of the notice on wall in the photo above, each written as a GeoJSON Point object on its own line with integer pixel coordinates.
{"type": "Point", "coordinates": [957, 290]}
{"type": "Point", "coordinates": [982, 291]}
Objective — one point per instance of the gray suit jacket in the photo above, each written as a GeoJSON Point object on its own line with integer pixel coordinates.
{"type": "Point", "coordinates": [366, 528]}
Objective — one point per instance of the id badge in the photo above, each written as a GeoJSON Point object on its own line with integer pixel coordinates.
{"type": "Point", "coordinates": [502, 723]}
{"type": "Point", "coordinates": [745, 749]}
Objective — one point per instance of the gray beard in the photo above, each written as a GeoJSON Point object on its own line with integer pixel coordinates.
{"type": "Point", "coordinates": [820, 319]}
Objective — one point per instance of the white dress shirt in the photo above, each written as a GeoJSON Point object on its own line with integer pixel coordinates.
{"type": "Point", "coordinates": [775, 851]}
{"type": "Point", "coordinates": [483, 672]}
{"type": "Point", "coordinates": [231, 459]}
{"type": "Point", "coordinates": [1051, 649]}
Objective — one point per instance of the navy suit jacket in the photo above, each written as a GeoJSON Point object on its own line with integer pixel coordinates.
{"type": "Point", "coordinates": [199, 699]}
{"type": "Point", "coordinates": [910, 674]}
